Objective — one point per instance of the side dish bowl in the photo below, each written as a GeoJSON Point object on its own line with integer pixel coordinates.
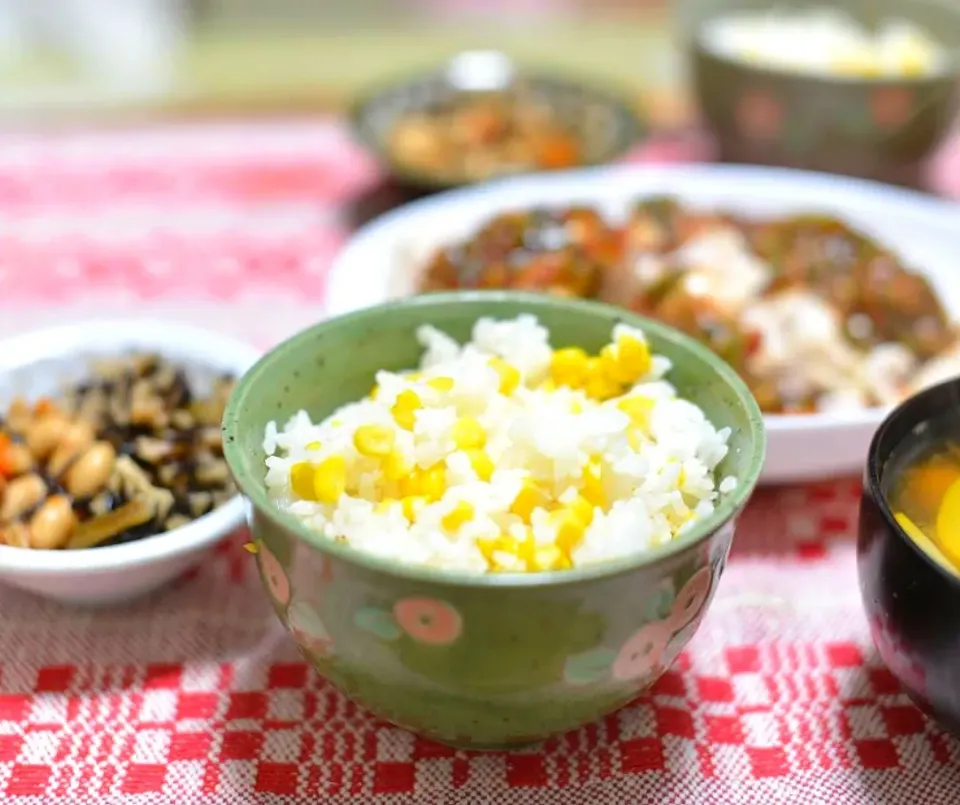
{"type": "Point", "coordinates": [37, 364]}
{"type": "Point", "coordinates": [912, 602]}
{"type": "Point", "coordinates": [877, 128]}
{"type": "Point", "coordinates": [481, 660]}
{"type": "Point", "coordinates": [384, 260]}
{"type": "Point", "coordinates": [603, 125]}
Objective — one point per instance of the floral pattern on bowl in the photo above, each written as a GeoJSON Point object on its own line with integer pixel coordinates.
{"type": "Point", "coordinates": [425, 620]}
{"type": "Point", "coordinates": [650, 649]}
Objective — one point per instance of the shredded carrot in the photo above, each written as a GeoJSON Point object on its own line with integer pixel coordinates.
{"type": "Point", "coordinates": [6, 467]}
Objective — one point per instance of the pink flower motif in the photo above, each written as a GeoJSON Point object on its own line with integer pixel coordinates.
{"type": "Point", "coordinates": [308, 630]}
{"type": "Point", "coordinates": [891, 107]}
{"type": "Point", "coordinates": [642, 654]}
{"type": "Point", "coordinates": [429, 621]}
{"type": "Point", "coordinates": [759, 116]}
{"type": "Point", "coordinates": [690, 599]}
{"type": "Point", "coordinates": [273, 576]}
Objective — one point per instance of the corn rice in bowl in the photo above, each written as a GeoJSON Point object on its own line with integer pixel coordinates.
{"type": "Point", "coordinates": [505, 455]}
{"type": "Point", "coordinates": [491, 517]}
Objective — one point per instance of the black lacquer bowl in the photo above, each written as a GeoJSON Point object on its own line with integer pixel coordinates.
{"type": "Point", "coordinates": [912, 603]}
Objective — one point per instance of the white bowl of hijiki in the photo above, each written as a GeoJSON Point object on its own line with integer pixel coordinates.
{"type": "Point", "coordinates": [112, 478]}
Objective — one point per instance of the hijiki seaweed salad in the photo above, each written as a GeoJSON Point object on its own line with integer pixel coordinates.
{"type": "Point", "coordinates": [130, 452]}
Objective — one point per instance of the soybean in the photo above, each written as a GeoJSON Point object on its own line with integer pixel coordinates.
{"type": "Point", "coordinates": [52, 524]}
{"type": "Point", "coordinates": [91, 471]}
{"type": "Point", "coordinates": [22, 494]}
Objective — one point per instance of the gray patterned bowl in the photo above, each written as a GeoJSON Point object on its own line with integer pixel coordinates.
{"type": "Point", "coordinates": [604, 124]}
{"type": "Point", "coordinates": [480, 661]}
{"type": "Point", "coordinates": [881, 129]}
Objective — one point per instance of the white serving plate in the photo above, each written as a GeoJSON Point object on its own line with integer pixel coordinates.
{"type": "Point", "coordinates": [382, 260]}
{"type": "Point", "coordinates": [37, 364]}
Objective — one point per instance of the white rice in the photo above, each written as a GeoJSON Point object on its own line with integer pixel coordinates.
{"type": "Point", "coordinates": [655, 484]}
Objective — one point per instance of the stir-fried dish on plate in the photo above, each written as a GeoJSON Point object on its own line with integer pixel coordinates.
{"type": "Point", "coordinates": [814, 315]}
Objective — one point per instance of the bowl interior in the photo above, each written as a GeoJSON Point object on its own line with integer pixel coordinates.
{"type": "Point", "coordinates": [902, 436]}
{"type": "Point", "coordinates": [335, 362]}
{"type": "Point", "coordinates": [605, 125]}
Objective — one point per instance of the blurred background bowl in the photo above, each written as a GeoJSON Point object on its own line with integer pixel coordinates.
{"type": "Point", "coordinates": [604, 125]}
{"type": "Point", "coordinates": [912, 603]}
{"type": "Point", "coordinates": [876, 128]}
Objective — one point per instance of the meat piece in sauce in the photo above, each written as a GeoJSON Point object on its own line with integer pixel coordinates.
{"type": "Point", "coordinates": [657, 227]}
{"type": "Point", "coordinates": [878, 297]}
{"type": "Point", "coordinates": [563, 252]}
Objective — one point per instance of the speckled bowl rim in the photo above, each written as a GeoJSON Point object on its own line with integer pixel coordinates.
{"type": "Point", "coordinates": [634, 127]}
{"type": "Point", "coordinates": [255, 490]}
{"type": "Point", "coordinates": [912, 411]}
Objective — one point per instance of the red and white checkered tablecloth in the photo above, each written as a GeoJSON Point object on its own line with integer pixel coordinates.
{"type": "Point", "coordinates": [197, 696]}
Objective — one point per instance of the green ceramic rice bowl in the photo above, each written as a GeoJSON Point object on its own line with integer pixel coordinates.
{"type": "Point", "coordinates": [480, 660]}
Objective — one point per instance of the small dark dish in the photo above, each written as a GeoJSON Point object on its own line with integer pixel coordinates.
{"type": "Point", "coordinates": [912, 602]}
{"type": "Point", "coordinates": [600, 126]}
{"type": "Point", "coordinates": [875, 128]}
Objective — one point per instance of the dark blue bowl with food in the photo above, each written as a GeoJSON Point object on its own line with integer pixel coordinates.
{"type": "Point", "coordinates": [908, 552]}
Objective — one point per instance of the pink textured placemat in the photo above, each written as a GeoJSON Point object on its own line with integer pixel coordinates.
{"type": "Point", "coordinates": [197, 696]}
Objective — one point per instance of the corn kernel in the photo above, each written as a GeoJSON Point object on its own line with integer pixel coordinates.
{"type": "Point", "coordinates": [481, 463]}
{"type": "Point", "coordinates": [582, 509]}
{"type": "Point", "coordinates": [487, 547]}
{"type": "Point", "coordinates": [460, 514]}
{"type": "Point", "coordinates": [633, 358]}
{"type": "Point", "coordinates": [529, 498]}
{"type": "Point", "coordinates": [610, 362]}
{"type": "Point", "coordinates": [411, 506]}
{"type": "Point", "coordinates": [430, 483]}
{"type": "Point", "coordinates": [395, 466]}
{"type": "Point", "coordinates": [592, 488]}
{"type": "Point", "coordinates": [441, 384]}
{"type": "Point", "coordinates": [509, 376]}
{"type": "Point", "coordinates": [637, 408]}
{"type": "Point", "coordinates": [375, 441]}
{"type": "Point", "coordinates": [330, 479]}
{"type": "Point", "coordinates": [404, 408]}
{"type": "Point", "coordinates": [385, 505]}
{"type": "Point", "coordinates": [549, 557]}
{"type": "Point", "coordinates": [602, 388]}
{"type": "Point", "coordinates": [502, 544]}
{"type": "Point", "coordinates": [597, 385]}
{"type": "Point", "coordinates": [568, 367]}
{"type": "Point", "coordinates": [468, 434]}
{"type": "Point", "coordinates": [527, 548]}
{"type": "Point", "coordinates": [301, 480]}
{"type": "Point", "coordinates": [570, 531]}
{"type": "Point", "coordinates": [312, 446]}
